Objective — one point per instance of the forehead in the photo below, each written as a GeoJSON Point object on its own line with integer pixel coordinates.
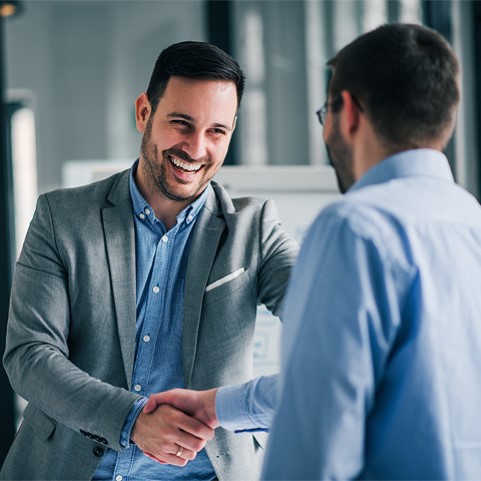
{"type": "Point", "coordinates": [200, 97]}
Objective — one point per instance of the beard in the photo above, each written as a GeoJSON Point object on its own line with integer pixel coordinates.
{"type": "Point", "coordinates": [155, 169]}
{"type": "Point", "coordinates": [341, 158]}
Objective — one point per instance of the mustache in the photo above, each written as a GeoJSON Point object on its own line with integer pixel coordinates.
{"type": "Point", "coordinates": [183, 156]}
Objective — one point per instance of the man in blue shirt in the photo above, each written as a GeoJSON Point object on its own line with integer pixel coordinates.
{"type": "Point", "coordinates": [141, 283]}
{"type": "Point", "coordinates": [382, 332]}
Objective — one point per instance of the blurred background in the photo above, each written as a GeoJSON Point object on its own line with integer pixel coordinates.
{"type": "Point", "coordinates": [70, 71]}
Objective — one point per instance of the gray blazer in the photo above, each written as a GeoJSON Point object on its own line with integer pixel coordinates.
{"type": "Point", "coordinates": [71, 329]}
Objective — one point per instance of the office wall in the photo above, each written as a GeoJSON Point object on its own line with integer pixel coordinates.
{"type": "Point", "coordinates": [82, 64]}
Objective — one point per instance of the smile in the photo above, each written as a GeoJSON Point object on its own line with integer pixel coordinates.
{"type": "Point", "coordinates": [188, 167]}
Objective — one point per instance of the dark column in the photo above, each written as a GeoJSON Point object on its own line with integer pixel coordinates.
{"type": "Point", "coordinates": [7, 414]}
{"type": "Point", "coordinates": [393, 7]}
{"type": "Point", "coordinates": [437, 15]}
{"type": "Point", "coordinates": [219, 20]}
{"type": "Point", "coordinates": [218, 24]}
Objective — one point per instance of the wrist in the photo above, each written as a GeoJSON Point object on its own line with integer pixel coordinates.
{"type": "Point", "coordinates": [127, 430]}
{"type": "Point", "coordinates": [211, 395]}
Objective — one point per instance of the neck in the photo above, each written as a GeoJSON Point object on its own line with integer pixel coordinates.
{"type": "Point", "coordinates": [165, 209]}
{"type": "Point", "coordinates": [368, 151]}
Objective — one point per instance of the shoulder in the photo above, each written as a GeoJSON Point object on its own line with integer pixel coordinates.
{"type": "Point", "coordinates": [357, 223]}
{"type": "Point", "coordinates": [228, 205]}
{"type": "Point", "coordinates": [251, 216]}
{"type": "Point", "coordinates": [96, 193]}
{"type": "Point", "coordinates": [363, 216]}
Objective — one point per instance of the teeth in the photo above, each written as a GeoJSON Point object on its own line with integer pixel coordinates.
{"type": "Point", "coordinates": [185, 165]}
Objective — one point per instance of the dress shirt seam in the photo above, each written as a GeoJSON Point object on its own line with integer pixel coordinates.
{"type": "Point", "coordinates": [355, 219]}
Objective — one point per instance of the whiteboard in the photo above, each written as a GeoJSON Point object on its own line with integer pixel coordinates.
{"type": "Point", "coordinates": [300, 193]}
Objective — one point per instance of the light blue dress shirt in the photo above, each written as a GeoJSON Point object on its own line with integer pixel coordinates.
{"type": "Point", "coordinates": [161, 261]}
{"type": "Point", "coordinates": [381, 352]}
{"type": "Point", "coordinates": [248, 407]}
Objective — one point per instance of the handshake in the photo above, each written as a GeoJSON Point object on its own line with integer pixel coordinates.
{"type": "Point", "coordinates": [175, 425]}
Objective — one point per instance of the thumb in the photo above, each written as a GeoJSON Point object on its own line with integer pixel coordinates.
{"type": "Point", "coordinates": [150, 406]}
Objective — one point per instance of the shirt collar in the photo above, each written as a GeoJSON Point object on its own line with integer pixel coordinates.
{"type": "Point", "coordinates": [143, 210]}
{"type": "Point", "coordinates": [410, 163]}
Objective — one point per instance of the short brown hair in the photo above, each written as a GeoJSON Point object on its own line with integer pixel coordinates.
{"type": "Point", "coordinates": [405, 77]}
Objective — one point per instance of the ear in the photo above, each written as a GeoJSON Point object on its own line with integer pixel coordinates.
{"type": "Point", "coordinates": [350, 114]}
{"type": "Point", "coordinates": [142, 111]}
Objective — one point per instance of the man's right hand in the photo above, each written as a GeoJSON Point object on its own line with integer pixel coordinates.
{"type": "Point", "coordinates": [162, 433]}
{"type": "Point", "coordinates": [200, 404]}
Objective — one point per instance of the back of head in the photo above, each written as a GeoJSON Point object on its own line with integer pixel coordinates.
{"type": "Point", "coordinates": [406, 77]}
{"type": "Point", "coordinates": [193, 60]}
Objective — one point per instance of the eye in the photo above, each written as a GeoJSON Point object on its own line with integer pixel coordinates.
{"type": "Point", "coordinates": [181, 123]}
{"type": "Point", "coordinates": [218, 131]}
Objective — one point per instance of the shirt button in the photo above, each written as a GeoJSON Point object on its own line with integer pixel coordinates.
{"type": "Point", "coordinates": [147, 211]}
{"type": "Point", "coordinates": [156, 289]}
{"type": "Point", "coordinates": [164, 238]}
{"type": "Point", "coordinates": [118, 477]}
{"type": "Point", "coordinates": [146, 338]}
{"type": "Point", "coordinates": [142, 216]}
{"type": "Point", "coordinates": [138, 388]}
{"type": "Point", "coordinates": [189, 219]}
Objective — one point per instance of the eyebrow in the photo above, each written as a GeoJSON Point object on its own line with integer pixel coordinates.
{"type": "Point", "coordinates": [191, 119]}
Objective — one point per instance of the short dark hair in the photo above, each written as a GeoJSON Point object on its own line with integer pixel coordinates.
{"type": "Point", "coordinates": [193, 60]}
{"type": "Point", "coordinates": [405, 77]}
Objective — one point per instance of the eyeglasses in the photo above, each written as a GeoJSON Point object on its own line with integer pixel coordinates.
{"type": "Point", "coordinates": [322, 112]}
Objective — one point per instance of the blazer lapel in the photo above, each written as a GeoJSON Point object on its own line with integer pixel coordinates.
{"type": "Point", "coordinates": [120, 240]}
{"type": "Point", "coordinates": [205, 239]}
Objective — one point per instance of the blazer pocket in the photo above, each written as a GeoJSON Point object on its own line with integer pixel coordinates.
{"type": "Point", "coordinates": [224, 280]}
{"type": "Point", "coordinates": [226, 285]}
{"type": "Point", "coordinates": [39, 422]}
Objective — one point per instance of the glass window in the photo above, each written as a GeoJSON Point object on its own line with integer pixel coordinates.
{"type": "Point", "coordinates": [283, 47]}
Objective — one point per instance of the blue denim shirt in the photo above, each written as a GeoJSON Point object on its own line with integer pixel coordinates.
{"type": "Point", "coordinates": [161, 262]}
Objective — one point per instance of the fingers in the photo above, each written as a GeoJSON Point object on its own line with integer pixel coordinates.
{"type": "Point", "coordinates": [194, 427]}
{"type": "Point", "coordinates": [198, 404]}
{"type": "Point", "coordinates": [161, 434]}
{"type": "Point", "coordinates": [180, 458]}
{"type": "Point", "coordinates": [153, 458]}
{"type": "Point", "coordinates": [167, 397]}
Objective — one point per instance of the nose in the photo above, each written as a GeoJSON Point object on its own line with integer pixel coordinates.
{"type": "Point", "coordinates": [195, 146]}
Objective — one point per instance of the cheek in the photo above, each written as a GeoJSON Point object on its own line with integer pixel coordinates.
{"type": "Point", "coordinates": [220, 150]}
{"type": "Point", "coordinates": [217, 158]}
{"type": "Point", "coordinates": [325, 133]}
{"type": "Point", "coordinates": [167, 139]}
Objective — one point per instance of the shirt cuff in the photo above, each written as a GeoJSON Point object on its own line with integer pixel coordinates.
{"type": "Point", "coordinates": [230, 407]}
{"type": "Point", "coordinates": [247, 407]}
{"type": "Point", "coordinates": [130, 421]}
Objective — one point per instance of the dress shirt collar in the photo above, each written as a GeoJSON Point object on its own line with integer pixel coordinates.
{"type": "Point", "coordinates": [410, 163]}
{"type": "Point", "coordinates": [143, 210]}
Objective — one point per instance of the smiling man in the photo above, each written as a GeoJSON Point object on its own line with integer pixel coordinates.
{"type": "Point", "coordinates": [140, 283]}
{"type": "Point", "coordinates": [185, 141]}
